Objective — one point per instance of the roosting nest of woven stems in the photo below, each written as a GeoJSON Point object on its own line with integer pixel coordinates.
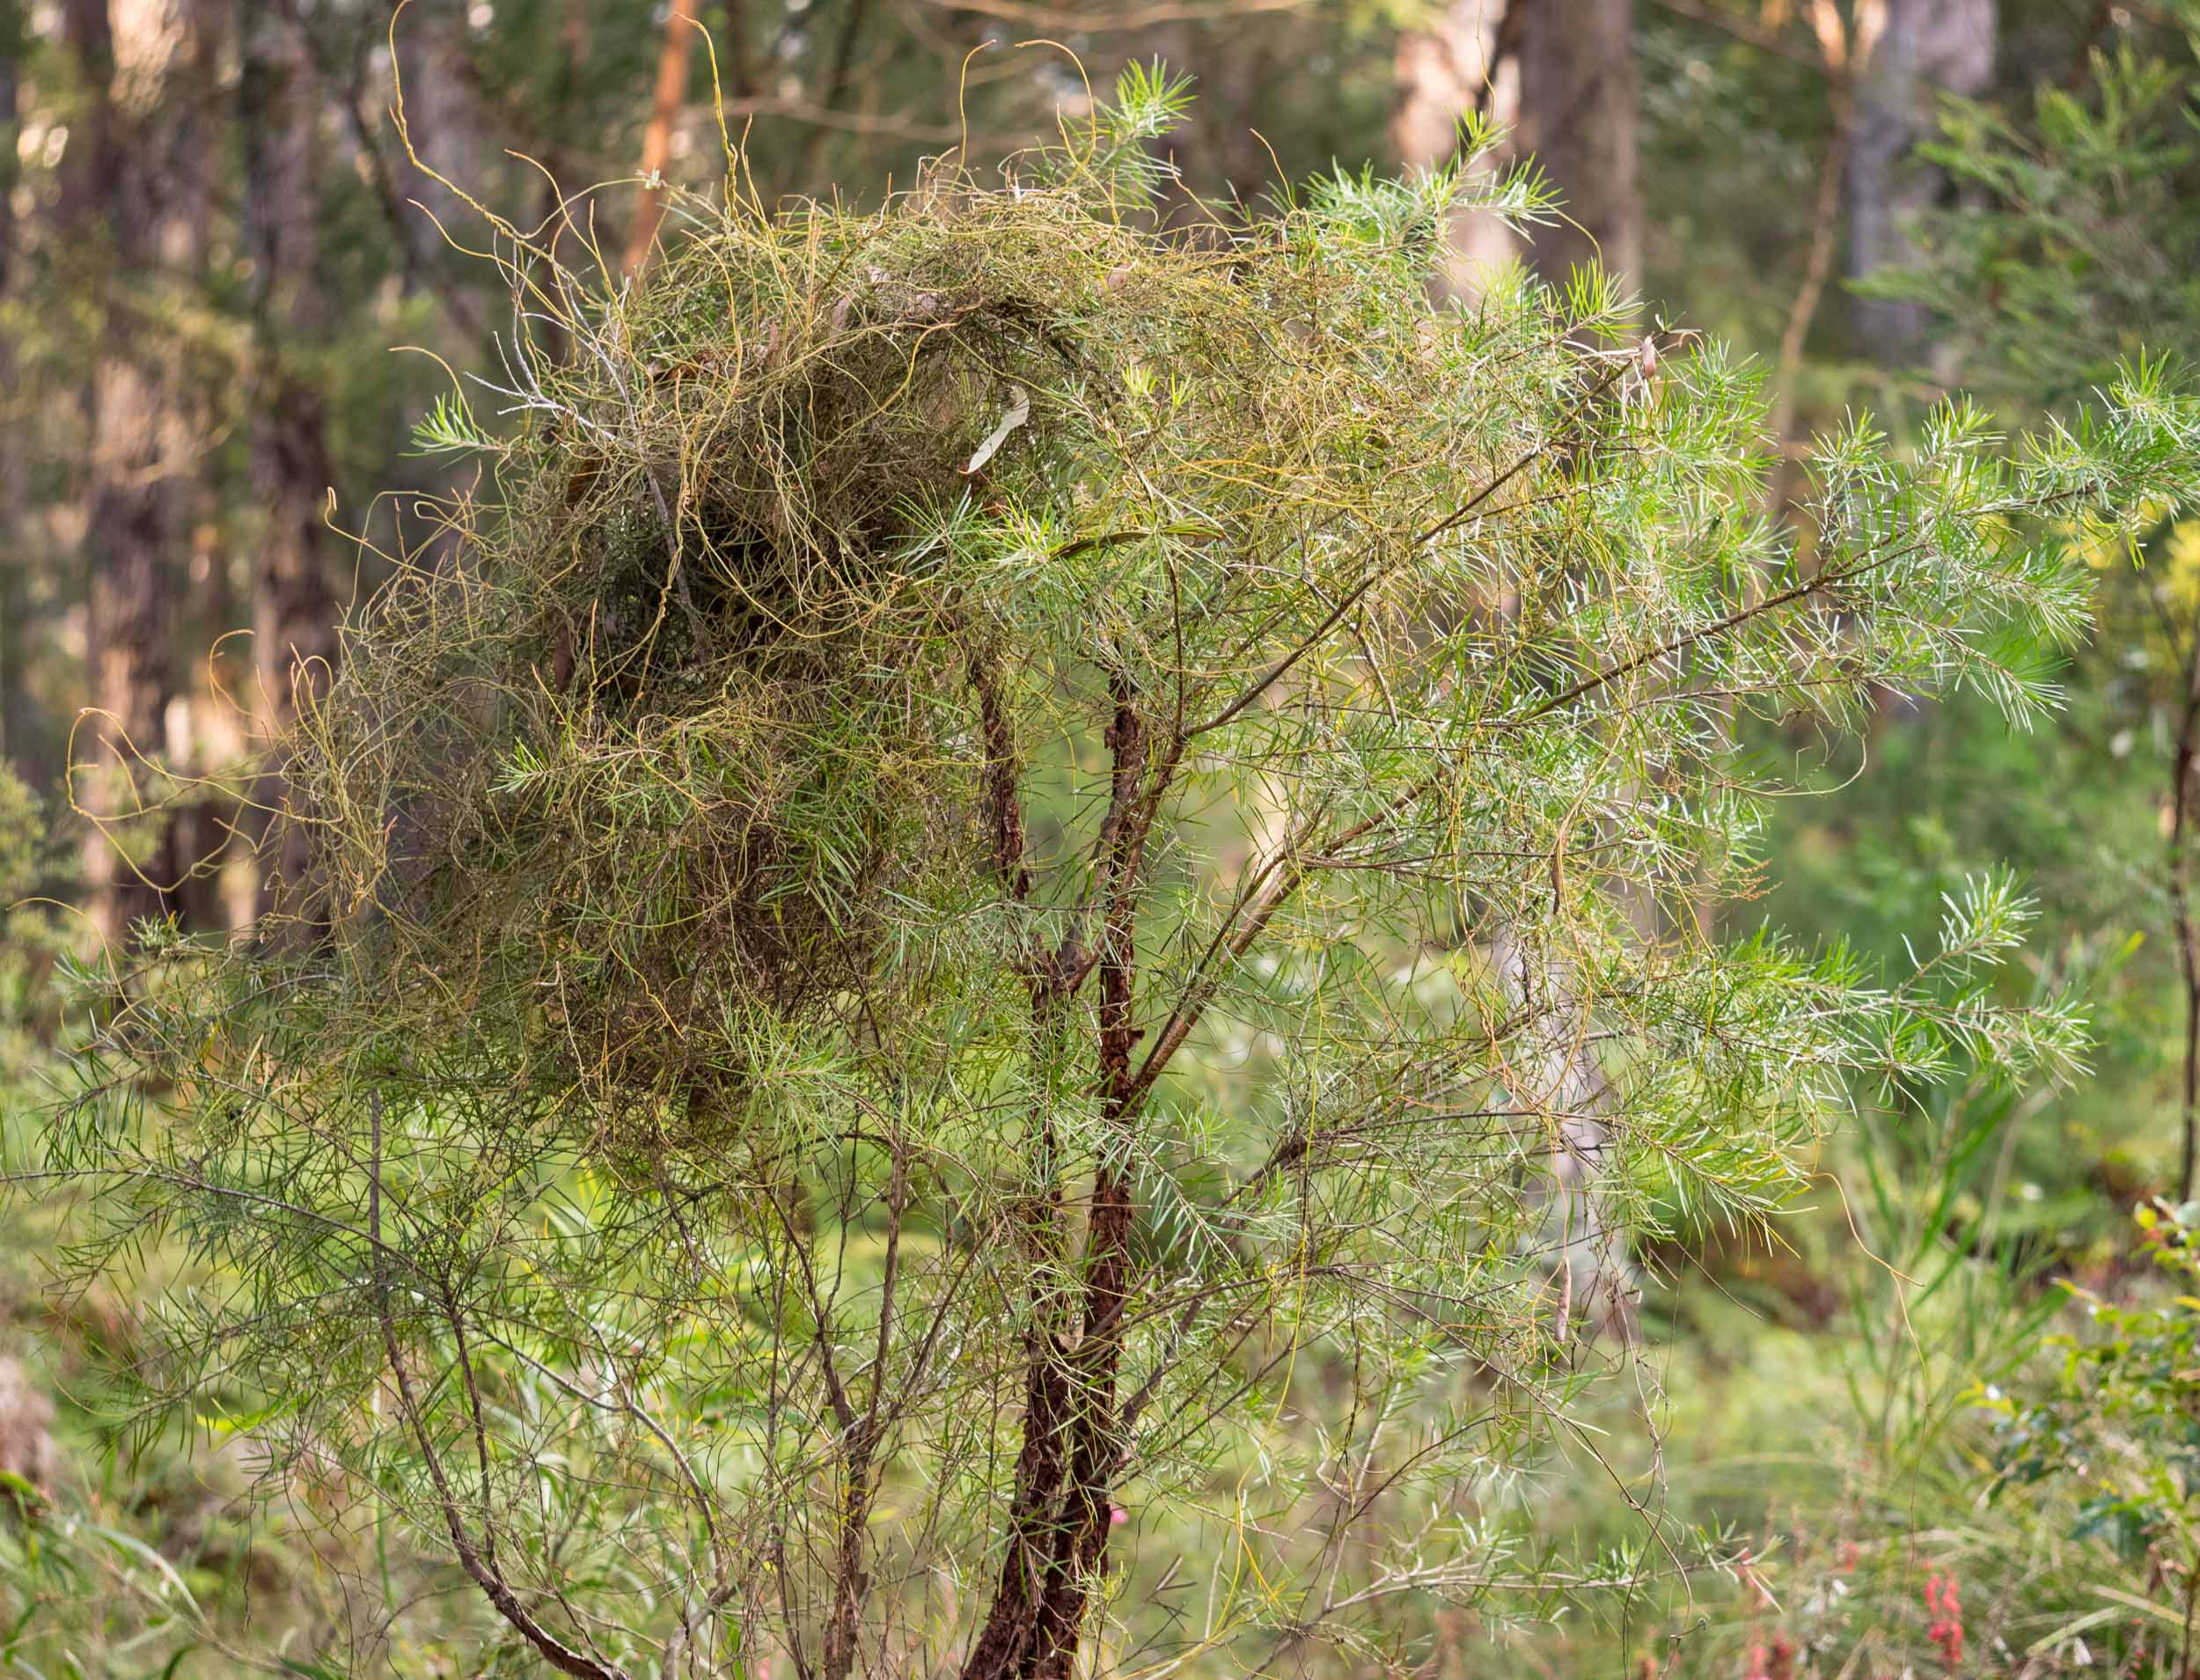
{"type": "Point", "coordinates": [681, 718]}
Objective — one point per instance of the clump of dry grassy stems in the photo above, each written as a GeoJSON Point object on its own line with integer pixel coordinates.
{"type": "Point", "coordinates": [665, 741]}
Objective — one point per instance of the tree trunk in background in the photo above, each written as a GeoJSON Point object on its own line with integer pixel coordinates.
{"type": "Point", "coordinates": [1924, 48]}
{"type": "Point", "coordinates": [1556, 1073]}
{"type": "Point", "coordinates": [1560, 74]}
{"type": "Point", "coordinates": [1463, 62]}
{"type": "Point", "coordinates": [560, 151]}
{"type": "Point", "coordinates": [656, 140]}
{"type": "Point", "coordinates": [13, 600]}
{"type": "Point", "coordinates": [432, 46]}
{"type": "Point", "coordinates": [203, 741]}
{"type": "Point", "coordinates": [293, 609]}
{"type": "Point", "coordinates": [443, 120]}
{"type": "Point", "coordinates": [1218, 158]}
{"type": "Point", "coordinates": [133, 210]}
{"type": "Point", "coordinates": [1578, 117]}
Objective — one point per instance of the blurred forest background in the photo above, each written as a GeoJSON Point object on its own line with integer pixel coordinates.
{"type": "Point", "coordinates": [227, 295]}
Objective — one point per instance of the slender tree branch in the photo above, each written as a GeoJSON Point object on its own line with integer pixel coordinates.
{"type": "Point", "coordinates": [481, 1570]}
{"type": "Point", "coordinates": [2185, 771]}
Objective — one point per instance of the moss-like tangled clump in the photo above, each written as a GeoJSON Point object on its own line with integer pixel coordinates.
{"type": "Point", "coordinates": [684, 709]}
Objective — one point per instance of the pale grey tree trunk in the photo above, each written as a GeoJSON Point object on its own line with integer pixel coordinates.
{"type": "Point", "coordinates": [1554, 1073]}
{"type": "Point", "coordinates": [1561, 73]}
{"type": "Point", "coordinates": [27, 1421]}
{"type": "Point", "coordinates": [440, 119]}
{"type": "Point", "coordinates": [444, 124]}
{"type": "Point", "coordinates": [1925, 47]}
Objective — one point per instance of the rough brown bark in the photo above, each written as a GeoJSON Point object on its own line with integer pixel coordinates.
{"type": "Point", "coordinates": [293, 609]}
{"type": "Point", "coordinates": [841, 1647]}
{"type": "Point", "coordinates": [1081, 1530]}
{"type": "Point", "coordinates": [1006, 1642]}
{"type": "Point", "coordinates": [126, 533]}
{"type": "Point", "coordinates": [2184, 771]}
{"type": "Point", "coordinates": [1061, 1516]}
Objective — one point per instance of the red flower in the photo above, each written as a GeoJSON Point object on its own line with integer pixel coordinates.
{"type": "Point", "coordinates": [1945, 1630]}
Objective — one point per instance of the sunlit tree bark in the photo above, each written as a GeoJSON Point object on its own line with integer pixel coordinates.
{"type": "Point", "coordinates": [656, 139]}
